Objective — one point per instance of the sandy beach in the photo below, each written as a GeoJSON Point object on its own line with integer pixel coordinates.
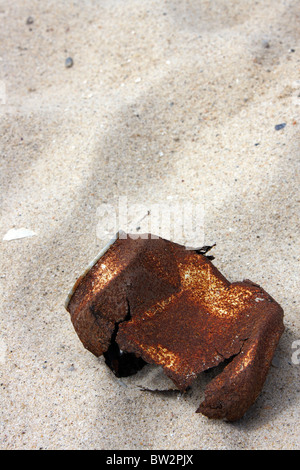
{"type": "Point", "coordinates": [189, 102]}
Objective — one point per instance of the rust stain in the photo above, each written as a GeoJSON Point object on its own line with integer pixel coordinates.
{"type": "Point", "coordinates": [153, 301]}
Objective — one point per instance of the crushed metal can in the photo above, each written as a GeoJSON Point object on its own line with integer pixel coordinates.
{"type": "Point", "coordinates": [149, 300]}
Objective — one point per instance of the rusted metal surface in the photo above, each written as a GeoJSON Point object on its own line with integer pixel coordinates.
{"type": "Point", "coordinates": [153, 301]}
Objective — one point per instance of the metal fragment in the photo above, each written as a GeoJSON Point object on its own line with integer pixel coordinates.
{"type": "Point", "coordinates": [152, 301]}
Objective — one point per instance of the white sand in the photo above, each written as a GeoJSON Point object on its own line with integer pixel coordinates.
{"type": "Point", "coordinates": [165, 99]}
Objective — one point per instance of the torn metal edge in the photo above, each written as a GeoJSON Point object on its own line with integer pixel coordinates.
{"type": "Point", "coordinates": [91, 264]}
{"type": "Point", "coordinates": [100, 254]}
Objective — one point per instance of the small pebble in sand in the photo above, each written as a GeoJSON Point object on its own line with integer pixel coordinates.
{"type": "Point", "coordinates": [69, 62]}
{"type": "Point", "coordinates": [265, 44]}
{"type": "Point", "coordinates": [280, 126]}
{"type": "Point", "coordinates": [29, 20]}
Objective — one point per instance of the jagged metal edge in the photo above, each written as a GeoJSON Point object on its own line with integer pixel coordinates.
{"type": "Point", "coordinates": [91, 264]}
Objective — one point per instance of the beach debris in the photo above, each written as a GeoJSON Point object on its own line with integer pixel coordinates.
{"type": "Point", "coordinates": [278, 127]}
{"type": "Point", "coordinates": [69, 62]}
{"type": "Point", "coordinates": [17, 233]}
{"type": "Point", "coordinates": [30, 20]}
{"type": "Point", "coordinates": [151, 301]}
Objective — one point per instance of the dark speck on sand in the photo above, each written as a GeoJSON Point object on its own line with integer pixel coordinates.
{"type": "Point", "coordinates": [280, 126]}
